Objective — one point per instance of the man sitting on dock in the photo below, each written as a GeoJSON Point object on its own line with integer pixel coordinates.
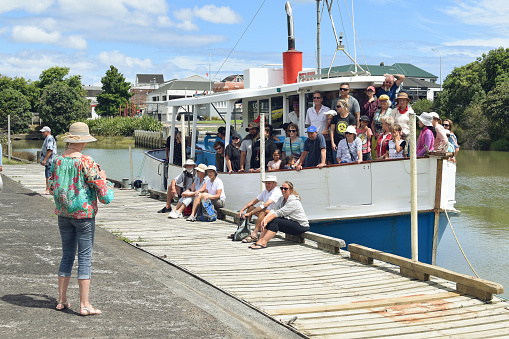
{"type": "Point", "coordinates": [187, 198]}
{"type": "Point", "coordinates": [314, 150]}
{"type": "Point", "coordinates": [181, 183]}
{"type": "Point", "coordinates": [268, 197]}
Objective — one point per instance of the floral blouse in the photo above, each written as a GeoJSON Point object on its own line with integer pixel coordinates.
{"type": "Point", "coordinates": [76, 186]}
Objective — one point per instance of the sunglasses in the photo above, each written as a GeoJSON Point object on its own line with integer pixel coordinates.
{"type": "Point", "coordinates": [344, 89]}
{"type": "Point", "coordinates": [219, 148]}
{"type": "Point", "coordinates": [446, 125]}
{"type": "Point", "coordinates": [235, 138]}
{"type": "Point", "coordinates": [339, 106]}
{"type": "Point", "coordinates": [348, 133]}
{"type": "Point", "coordinates": [284, 188]}
{"type": "Point", "coordinates": [292, 131]}
{"type": "Point", "coordinates": [317, 97]}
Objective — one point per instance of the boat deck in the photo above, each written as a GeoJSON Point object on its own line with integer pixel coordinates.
{"type": "Point", "coordinates": [319, 293]}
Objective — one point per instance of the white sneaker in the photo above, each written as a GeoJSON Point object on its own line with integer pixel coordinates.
{"type": "Point", "coordinates": [178, 215]}
{"type": "Point", "coordinates": [172, 215]}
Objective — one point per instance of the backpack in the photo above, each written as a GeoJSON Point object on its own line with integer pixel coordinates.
{"type": "Point", "coordinates": [206, 211]}
{"type": "Point", "coordinates": [242, 230]}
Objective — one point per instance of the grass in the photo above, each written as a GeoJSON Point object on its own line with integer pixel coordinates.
{"type": "Point", "coordinates": [12, 162]}
{"type": "Point", "coordinates": [119, 236]}
{"type": "Point", "coordinates": [117, 140]}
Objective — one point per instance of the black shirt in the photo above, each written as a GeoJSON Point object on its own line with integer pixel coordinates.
{"type": "Point", "coordinates": [341, 125]}
{"type": "Point", "coordinates": [270, 148]}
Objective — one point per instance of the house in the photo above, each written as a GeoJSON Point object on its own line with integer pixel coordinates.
{"type": "Point", "coordinates": [419, 84]}
{"type": "Point", "coordinates": [148, 80]}
{"type": "Point", "coordinates": [91, 93]}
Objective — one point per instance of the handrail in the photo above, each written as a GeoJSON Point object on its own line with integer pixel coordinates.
{"type": "Point", "coordinates": [479, 288]}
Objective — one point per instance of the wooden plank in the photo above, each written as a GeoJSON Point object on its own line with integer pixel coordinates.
{"type": "Point", "coordinates": [440, 272]}
{"type": "Point", "coordinates": [367, 304]}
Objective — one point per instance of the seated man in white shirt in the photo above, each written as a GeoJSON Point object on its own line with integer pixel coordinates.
{"type": "Point", "coordinates": [268, 197]}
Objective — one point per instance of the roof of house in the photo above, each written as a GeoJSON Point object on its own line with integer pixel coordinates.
{"type": "Point", "coordinates": [408, 70]}
{"type": "Point", "coordinates": [149, 78]}
{"type": "Point", "coordinates": [192, 83]}
{"type": "Point", "coordinates": [413, 82]}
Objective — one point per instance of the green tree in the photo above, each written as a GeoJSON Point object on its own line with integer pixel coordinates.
{"type": "Point", "coordinates": [13, 102]}
{"type": "Point", "coordinates": [61, 104]}
{"type": "Point", "coordinates": [52, 75]}
{"type": "Point", "coordinates": [28, 88]}
{"type": "Point", "coordinates": [422, 105]}
{"type": "Point", "coordinates": [495, 108]}
{"type": "Point", "coordinates": [115, 93]}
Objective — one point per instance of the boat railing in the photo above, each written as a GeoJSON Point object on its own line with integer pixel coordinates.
{"type": "Point", "coordinates": [479, 288]}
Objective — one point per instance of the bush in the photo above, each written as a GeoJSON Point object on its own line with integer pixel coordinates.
{"type": "Point", "coordinates": [500, 145]}
{"type": "Point", "coordinates": [120, 126]}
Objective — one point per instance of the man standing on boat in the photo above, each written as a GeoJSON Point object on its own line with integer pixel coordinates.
{"type": "Point", "coordinates": [314, 150]}
{"type": "Point", "coordinates": [246, 148]}
{"type": "Point", "coordinates": [268, 197]}
{"type": "Point", "coordinates": [353, 104]}
{"type": "Point", "coordinates": [390, 86]}
{"type": "Point", "coordinates": [315, 115]}
{"type": "Point", "coordinates": [48, 153]}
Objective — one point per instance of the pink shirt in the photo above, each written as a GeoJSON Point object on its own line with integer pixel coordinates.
{"type": "Point", "coordinates": [441, 141]}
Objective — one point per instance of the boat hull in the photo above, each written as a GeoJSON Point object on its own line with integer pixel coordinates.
{"type": "Point", "coordinates": [390, 233]}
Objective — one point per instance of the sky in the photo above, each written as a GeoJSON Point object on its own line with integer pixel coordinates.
{"type": "Point", "coordinates": [178, 39]}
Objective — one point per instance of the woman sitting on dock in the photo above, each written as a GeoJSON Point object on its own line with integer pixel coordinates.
{"type": "Point", "coordinates": [213, 189]}
{"type": "Point", "coordinates": [288, 216]}
{"type": "Point", "coordinates": [76, 183]}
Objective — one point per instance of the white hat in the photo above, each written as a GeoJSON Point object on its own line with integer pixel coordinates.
{"type": "Point", "coordinates": [270, 178]}
{"type": "Point", "coordinates": [212, 168]}
{"type": "Point", "coordinates": [78, 133]}
{"type": "Point", "coordinates": [45, 129]}
{"type": "Point", "coordinates": [201, 168]}
{"type": "Point", "coordinates": [434, 115]}
{"type": "Point", "coordinates": [426, 119]}
{"type": "Point", "coordinates": [190, 162]}
{"type": "Point", "coordinates": [331, 112]}
{"type": "Point", "coordinates": [351, 129]}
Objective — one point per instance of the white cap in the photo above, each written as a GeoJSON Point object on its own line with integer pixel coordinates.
{"type": "Point", "coordinates": [434, 115]}
{"type": "Point", "coordinates": [331, 112]}
{"type": "Point", "coordinates": [212, 168]}
{"type": "Point", "coordinates": [351, 129]}
{"type": "Point", "coordinates": [190, 162]}
{"type": "Point", "coordinates": [45, 129]}
{"type": "Point", "coordinates": [270, 178]}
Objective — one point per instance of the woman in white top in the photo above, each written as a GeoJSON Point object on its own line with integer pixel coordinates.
{"type": "Point", "coordinates": [288, 217]}
{"type": "Point", "coordinates": [401, 114]}
{"type": "Point", "coordinates": [187, 198]}
{"type": "Point", "coordinates": [350, 148]}
{"type": "Point", "coordinates": [213, 189]}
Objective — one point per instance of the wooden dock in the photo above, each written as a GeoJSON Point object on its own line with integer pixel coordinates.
{"type": "Point", "coordinates": [320, 294]}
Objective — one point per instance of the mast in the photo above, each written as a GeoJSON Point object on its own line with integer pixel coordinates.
{"type": "Point", "coordinates": [318, 55]}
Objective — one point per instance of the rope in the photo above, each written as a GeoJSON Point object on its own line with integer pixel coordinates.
{"type": "Point", "coordinates": [239, 39]}
{"type": "Point", "coordinates": [457, 241]}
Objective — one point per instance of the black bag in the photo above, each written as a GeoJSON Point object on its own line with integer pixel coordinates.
{"type": "Point", "coordinates": [242, 230]}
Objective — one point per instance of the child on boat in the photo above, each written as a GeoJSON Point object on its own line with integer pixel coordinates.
{"type": "Point", "coordinates": [275, 163]}
{"type": "Point", "coordinates": [290, 162]}
{"type": "Point", "coordinates": [396, 144]}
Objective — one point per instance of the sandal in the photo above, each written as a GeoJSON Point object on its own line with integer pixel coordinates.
{"type": "Point", "coordinates": [257, 246]}
{"type": "Point", "coordinates": [84, 311]}
{"type": "Point", "coordinates": [249, 239]}
{"type": "Point", "coordinates": [63, 305]}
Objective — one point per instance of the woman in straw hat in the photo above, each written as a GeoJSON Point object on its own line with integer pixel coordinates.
{"type": "Point", "coordinates": [401, 114]}
{"type": "Point", "coordinates": [76, 183]}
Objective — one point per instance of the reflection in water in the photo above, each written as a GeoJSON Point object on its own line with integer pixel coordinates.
{"type": "Point", "coordinates": [482, 185]}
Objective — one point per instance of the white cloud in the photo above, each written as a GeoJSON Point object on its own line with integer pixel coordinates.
{"type": "Point", "coordinates": [121, 60]}
{"type": "Point", "coordinates": [31, 6]}
{"type": "Point", "coordinates": [217, 15]}
{"type": "Point", "coordinates": [210, 13]}
{"type": "Point", "coordinates": [489, 43]}
{"type": "Point", "coordinates": [32, 34]}
{"type": "Point", "coordinates": [481, 12]}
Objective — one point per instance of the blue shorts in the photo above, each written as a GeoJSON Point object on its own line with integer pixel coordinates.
{"type": "Point", "coordinates": [47, 171]}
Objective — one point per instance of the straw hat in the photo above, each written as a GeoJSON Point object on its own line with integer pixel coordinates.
{"type": "Point", "coordinates": [201, 168]}
{"type": "Point", "coordinates": [189, 162]}
{"type": "Point", "coordinates": [270, 178]}
{"type": "Point", "coordinates": [402, 95]}
{"type": "Point", "coordinates": [78, 133]}
{"type": "Point", "coordinates": [212, 168]}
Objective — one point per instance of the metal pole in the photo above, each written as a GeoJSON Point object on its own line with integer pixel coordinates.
{"type": "Point", "coordinates": [9, 150]}
{"type": "Point", "coordinates": [354, 39]}
{"type": "Point", "coordinates": [318, 56]}
{"type": "Point", "coordinates": [131, 165]}
{"type": "Point", "coordinates": [413, 189]}
{"type": "Point", "coordinates": [262, 145]}
{"type": "Point", "coordinates": [436, 50]}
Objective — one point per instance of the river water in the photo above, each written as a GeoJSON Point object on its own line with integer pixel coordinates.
{"type": "Point", "coordinates": [482, 186]}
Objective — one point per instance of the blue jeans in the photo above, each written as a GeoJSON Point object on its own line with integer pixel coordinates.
{"type": "Point", "coordinates": [76, 233]}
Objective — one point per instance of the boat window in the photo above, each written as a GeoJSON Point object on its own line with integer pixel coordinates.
{"type": "Point", "coordinates": [252, 110]}
{"type": "Point", "coordinates": [276, 115]}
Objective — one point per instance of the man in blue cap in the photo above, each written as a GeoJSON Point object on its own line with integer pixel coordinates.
{"type": "Point", "coordinates": [314, 150]}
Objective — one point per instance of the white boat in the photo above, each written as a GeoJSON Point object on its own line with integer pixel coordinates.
{"type": "Point", "coordinates": [366, 203]}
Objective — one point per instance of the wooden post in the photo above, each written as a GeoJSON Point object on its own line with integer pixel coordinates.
{"type": "Point", "coordinates": [131, 165]}
{"type": "Point", "coordinates": [413, 189]}
{"type": "Point", "coordinates": [438, 196]}
{"type": "Point", "coordinates": [9, 148]}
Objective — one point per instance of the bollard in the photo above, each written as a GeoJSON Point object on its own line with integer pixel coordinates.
{"type": "Point", "coordinates": [144, 188]}
{"type": "Point", "coordinates": [125, 183]}
{"type": "Point", "coordinates": [38, 156]}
